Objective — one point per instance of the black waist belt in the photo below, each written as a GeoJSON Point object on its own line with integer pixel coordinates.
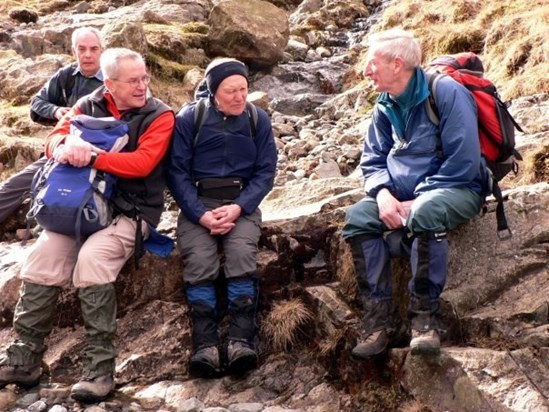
{"type": "Point", "coordinates": [225, 188]}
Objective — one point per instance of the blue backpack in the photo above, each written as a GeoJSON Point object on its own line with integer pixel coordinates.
{"type": "Point", "coordinates": [72, 200]}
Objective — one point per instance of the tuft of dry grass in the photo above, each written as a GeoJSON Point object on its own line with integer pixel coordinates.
{"type": "Point", "coordinates": [541, 163]}
{"type": "Point", "coordinates": [534, 168]}
{"type": "Point", "coordinates": [346, 270]}
{"type": "Point", "coordinates": [283, 324]}
{"type": "Point", "coordinates": [7, 5]}
{"type": "Point", "coordinates": [329, 344]}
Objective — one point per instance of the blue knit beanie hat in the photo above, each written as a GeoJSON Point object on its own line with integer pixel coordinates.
{"type": "Point", "coordinates": [220, 69]}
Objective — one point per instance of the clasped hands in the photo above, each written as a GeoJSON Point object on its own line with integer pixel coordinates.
{"type": "Point", "coordinates": [60, 112]}
{"type": "Point", "coordinates": [75, 151]}
{"type": "Point", "coordinates": [221, 220]}
{"type": "Point", "coordinates": [392, 212]}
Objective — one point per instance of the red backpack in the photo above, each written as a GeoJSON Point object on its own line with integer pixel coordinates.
{"type": "Point", "coordinates": [496, 126]}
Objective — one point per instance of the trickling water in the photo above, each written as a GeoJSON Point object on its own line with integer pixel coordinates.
{"type": "Point", "coordinates": [341, 41]}
{"type": "Point", "coordinates": [317, 79]}
{"type": "Point", "coordinates": [363, 24]}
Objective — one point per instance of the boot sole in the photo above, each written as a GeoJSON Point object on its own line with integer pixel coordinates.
{"type": "Point", "coordinates": [87, 397]}
{"type": "Point", "coordinates": [203, 370]}
{"type": "Point", "coordinates": [359, 356]}
{"type": "Point", "coordinates": [242, 365]}
{"type": "Point", "coordinates": [366, 357]}
{"type": "Point", "coordinates": [425, 350]}
{"type": "Point", "coordinates": [24, 385]}
{"type": "Point", "coordinates": [27, 385]}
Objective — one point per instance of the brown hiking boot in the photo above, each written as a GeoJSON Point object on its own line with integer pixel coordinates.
{"type": "Point", "coordinates": [425, 342]}
{"type": "Point", "coordinates": [373, 345]}
{"type": "Point", "coordinates": [24, 376]}
{"type": "Point", "coordinates": [241, 357]}
{"type": "Point", "coordinates": [91, 390]}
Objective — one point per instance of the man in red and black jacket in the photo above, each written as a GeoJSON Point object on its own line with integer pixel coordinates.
{"type": "Point", "coordinates": [93, 268]}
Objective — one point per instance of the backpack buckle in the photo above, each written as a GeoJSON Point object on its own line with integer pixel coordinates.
{"type": "Point", "coordinates": [505, 234]}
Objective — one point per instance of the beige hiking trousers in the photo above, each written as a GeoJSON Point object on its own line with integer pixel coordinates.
{"type": "Point", "coordinates": [55, 258]}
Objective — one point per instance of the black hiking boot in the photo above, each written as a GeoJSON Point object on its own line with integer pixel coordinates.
{"type": "Point", "coordinates": [241, 357]}
{"type": "Point", "coordinates": [205, 363]}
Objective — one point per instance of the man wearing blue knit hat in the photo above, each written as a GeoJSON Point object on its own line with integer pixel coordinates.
{"type": "Point", "coordinates": [220, 69]}
{"type": "Point", "coordinates": [218, 179]}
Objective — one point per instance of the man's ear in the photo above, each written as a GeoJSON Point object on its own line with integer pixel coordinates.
{"type": "Point", "coordinates": [399, 64]}
{"type": "Point", "coordinates": [108, 84]}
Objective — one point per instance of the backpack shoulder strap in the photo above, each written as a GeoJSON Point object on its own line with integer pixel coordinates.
{"type": "Point", "coordinates": [432, 108]}
{"type": "Point", "coordinates": [67, 81]}
{"type": "Point", "coordinates": [431, 102]}
{"type": "Point", "coordinates": [199, 117]}
{"type": "Point", "coordinates": [505, 106]}
{"type": "Point", "coordinates": [251, 110]}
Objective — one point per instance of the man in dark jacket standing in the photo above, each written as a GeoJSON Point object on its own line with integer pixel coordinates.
{"type": "Point", "coordinates": [54, 100]}
{"type": "Point", "coordinates": [218, 179]}
{"type": "Point", "coordinates": [93, 266]}
{"type": "Point", "coordinates": [418, 177]}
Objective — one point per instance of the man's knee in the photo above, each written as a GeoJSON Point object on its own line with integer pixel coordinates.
{"type": "Point", "coordinates": [239, 262]}
{"type": "Point", "coordinates": [240, 249]}
{"type": "Point", "coordinates": [365, 207]}
{"type": "Point", "coordinates": [200, 264]}
{"type": "Point", "coordinates": [94, 269]}
{"type": "Point", "coordinates": [362, 218]}
{"type": "Point", "coordinates": [427, 217]}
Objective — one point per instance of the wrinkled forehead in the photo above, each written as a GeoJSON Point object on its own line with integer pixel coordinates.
{"type": "Point", "coordinates": [235, 80]}
{"type": "Point", "coordinates": [126, 67]}
{"type": "Point", "coordinates": [87, 39]}
{"type": "Point", "coordinates": [376, 53]}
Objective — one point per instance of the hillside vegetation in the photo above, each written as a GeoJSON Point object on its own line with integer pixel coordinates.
{"type": "Point", "coordinates": [510, 35]}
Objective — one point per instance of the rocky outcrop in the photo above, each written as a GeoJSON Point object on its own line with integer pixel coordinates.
{"type": "Point", "coordinates": [254, 31]}
{"type": "Point", "coordinates": [496, 298]}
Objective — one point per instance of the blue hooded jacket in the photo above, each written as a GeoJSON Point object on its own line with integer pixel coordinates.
{"type": "Point", "coordinates": [404, 158]}
{"type": "Point", "coordinates": [224, 148]}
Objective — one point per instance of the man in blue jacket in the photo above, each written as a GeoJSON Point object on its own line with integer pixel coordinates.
{"type": "Point", "coordinates": [417, 183]}
{"type": "Point", "coordinates": [218, 175]}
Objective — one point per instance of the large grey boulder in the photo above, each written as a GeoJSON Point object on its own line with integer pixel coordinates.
{"type": "Point", "coordinates": [254, 31]}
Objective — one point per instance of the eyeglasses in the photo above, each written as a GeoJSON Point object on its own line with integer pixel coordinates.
{"type": "Point", "coordinates": [135, 82]}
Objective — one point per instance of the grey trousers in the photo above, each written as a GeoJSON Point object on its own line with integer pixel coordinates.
{"type": "Point", "coordinates": [199, 249]}
{"type": "Point", "coordinates": [13, 190]}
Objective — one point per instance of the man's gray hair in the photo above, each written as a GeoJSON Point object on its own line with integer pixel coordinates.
{"type": "Point", "coordinates": [85, 30]}
{"type": "Point", "coordinates": [110, 60]}
{"type": "Point", "coordinates": [396, 43]}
